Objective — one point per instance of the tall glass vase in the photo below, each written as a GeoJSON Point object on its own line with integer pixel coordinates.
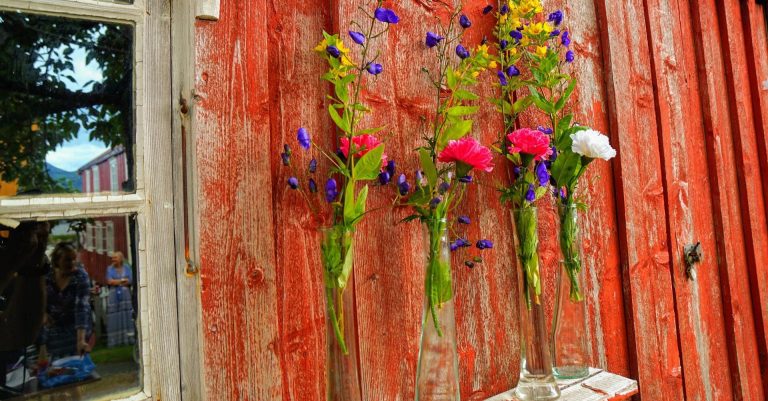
{"type": "Point", "coordinates": [437, 374]}
{"type": "Point", "coordinates": [343, 365]}
{"type": "Point", "coordinates": [570, 354]}
{"type": "Point", "coordinates": [537, 381]}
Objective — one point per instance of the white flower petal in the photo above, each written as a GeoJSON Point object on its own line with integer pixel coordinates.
{"type": "Point", "coordinates": [592, 144]}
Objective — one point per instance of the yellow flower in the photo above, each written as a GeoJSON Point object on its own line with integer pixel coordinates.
{"type": "Point", "coordinates": [525, 41]}
{"type": "Point", "coordinates": [482, 49]}
{"type": "Point", "coordinates": [492, 64]}
{"type": "Point", "coordinates": [321, 46]}
{"type": "Point", "coordinates": [541, 51]}
{"type": "Point", "coordinates": [340, 45]}
{"type": "Point", "coordinates": [346, 61]}
{"type": "Point", "coordinates": [475, 74]}
{"type": "Point", "coordinates": [513, 51]}
{"type": "Point", "coordinates": [539, 27]}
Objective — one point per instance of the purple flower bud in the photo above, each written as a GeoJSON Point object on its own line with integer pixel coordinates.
{"type": "Point", "coordinates": [313, 165]}
{"type": "Point", "coordinates": [293, 182]}
{"type": "Point", "coordinates": [419, 178]}
{"type": "Point", "coordinates": [312, 185]}
{"type": "Point", "coordinates": [464, 219]}
{"type": "Point", "coordinates": [530, 195]}
{"type": "Point", "coordinates": [435, 201]}
{"type": "Point", "coordinates": [487, 9]}
{"type": "Point", "coordinates": [554, 33]}
{"type": "Point", "coordinates": [469, 264]}
{"type": "Point", "coordinates": [433, 39]}
{"type": "Point", "coordinates": [566, 39]}
{"type": "Point", "coordinates": [303, 137]}
{"type": "Point", "coordinates": [357, 37]}
{"type": "Point", "coordinates": [386, 15]}
{"type": "Point", "coordinates": [553, 156]}
{"type": "Point", "coordinates": [556, 17]}
{"type": "Point", "coordinates": [504, 9]}
{"type": "Point", "coordinates": [384, 177]}
{"type": "Point", "coordinates": [512, 71]}
{"type": "Point", "coordinates": [402, 185]}
{"type": "Point", "coordinates": [333, 51]}
{"type": "Point", "coordinates": [374, 68]}
{"type": "Point", "coordinates": [545, 130]}
{"type": "Point", "coordinates": [484, 244]}
{"type": "Point", "coordinates": [462, 243]}
{"type": "Point", "coordinates": [502, 78]}
{"type": "Point", "coordinates": [467, 179]}
{"type": "Point", "coordinates": [517, 171]}
{"type": "Point", "coordinates": [331, 190]}
{"type": "Point", "coordinates": [569, 56]}
{"type": "Point", "coordinates": [443, 188]}
{"type": "Point", "coordinates": [516, 35]}
{"type": "Point", "coordinates": [464, 21]}
{"type": "Point", "coordinates": [562, 194]}
{"type": "Point", "coordinates": [286, 159]}
{"type": "Point", "coordinates": [462, 52]}
{"type": "Point", "coordinates": [503, 44]}
{"type": "Point", "coordinates": [391, 167]}
{"type": "Point", "coordinates": [542, 174]}
{"type": "Point", "coordinates": [454, 246]}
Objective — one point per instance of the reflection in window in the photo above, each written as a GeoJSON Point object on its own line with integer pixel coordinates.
{"type": "Point", "coordinates": [67, 310]}
{"type": "Point", "coordinates": [66, 103]}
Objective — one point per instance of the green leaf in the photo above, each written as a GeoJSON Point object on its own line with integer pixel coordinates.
{"type": "Point", "coordinates": [522, 104]}
{"type": "Point", "coordinates": [428, 166]}
{"type": "Point", "coordinates": [369, 130]}
{"type": "Point", "coordinates": [567, 94]}
{"type": "Point", "coordinates": [340, 122]}
{"type": "Point", "coordinates": [566, 168]}
{"type": "Point", "coordinates": [543, 104]}
{"type": "Point", "coordinates": [341, 91]}
{"type": "Point", "coordinates": [456, 111]}
{"type": "Point", "coordinates": [368, 166]}
{"type": "Point", "coordinates": [349, 203]}
{"type": "Point", "coordinates": [455, 131]}
{"type": "Point", "coordinates": [360, 203]}
{"type": "Point", "coordinates": [346, 269]}
{"type": "Point", "coordinates": [462, 94]}
{"type": "Point", "coordinates": [450, 78]}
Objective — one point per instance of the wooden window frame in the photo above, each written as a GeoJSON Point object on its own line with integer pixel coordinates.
{"type": "Point", "coordinates": [153, 203]}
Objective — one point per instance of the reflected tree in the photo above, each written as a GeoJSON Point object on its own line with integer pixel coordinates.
{"type": "Point", "coordinates": [42, 102]}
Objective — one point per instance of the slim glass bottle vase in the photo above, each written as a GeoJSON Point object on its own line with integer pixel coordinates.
{"type": "Point", "coordinates": [437, 374]}
{"type": "Point", "coordinates": [570, 354]}
{"type": "Point", "coordinates": [537, 381]}
{"type": "Point", "coordinates": [343, 366]}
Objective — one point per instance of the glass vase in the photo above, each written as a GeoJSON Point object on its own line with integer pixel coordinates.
{"type": "Point", "coordinates": [570, 354]}
{"type": "Point", "coordinates": [537, 381]}
{"type": "Point", "coordinates": [437, 373]}
{"type": "Point", "coordinates": [343, 364]}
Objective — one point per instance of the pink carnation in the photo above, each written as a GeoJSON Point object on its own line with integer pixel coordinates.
{"type": "Point", "coordinates": [530, 141]}
{"type": "Point", "coordinates": [365, 142]}
{"type": "Point", "coordinates": [468, 151]}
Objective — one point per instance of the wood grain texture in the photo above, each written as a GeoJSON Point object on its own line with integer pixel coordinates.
{"type": "Point", "coordinates": [640, 195]}
{"type": "Point", "coordinates": [732, 251]}
{"type": "Point", "coordinates": [298, 95]}
{"type": "Point", "coordinates": [688, 200]}
{"type": "Point", "coordinates": [238, 272]}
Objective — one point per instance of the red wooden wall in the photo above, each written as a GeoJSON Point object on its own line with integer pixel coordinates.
{"type": "Point", "coordinates": [677, 84]}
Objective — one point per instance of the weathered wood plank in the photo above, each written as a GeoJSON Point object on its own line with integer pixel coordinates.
{"type": "Point", "coordinates": [640, 196]}
{"type": "Point", "coordinates": [731, 242]}
{"type": "Point", "coordinates": [238, 271]}
{"type": "Point", "coordinates": [688, 200]}
{"type": "Point", "coordinates": [298, 95]}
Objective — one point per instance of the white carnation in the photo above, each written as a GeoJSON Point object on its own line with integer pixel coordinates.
{"type": "Point", "coordinates": [592, 144]}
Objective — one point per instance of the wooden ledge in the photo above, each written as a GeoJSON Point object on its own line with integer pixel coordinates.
{"type": "Point", "coordinates": [598, 386]}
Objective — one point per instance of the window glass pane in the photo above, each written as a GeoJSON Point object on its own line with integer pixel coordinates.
{"type": "Point", "coordinates": [63, 294]}
{"type": "Point", "coordinates": [66, 104]}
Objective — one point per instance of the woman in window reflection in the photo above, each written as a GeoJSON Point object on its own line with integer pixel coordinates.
{"type": "Point", "coordinates": [67, 323]}
{"type": "Point", "coordinates": [120, 328]}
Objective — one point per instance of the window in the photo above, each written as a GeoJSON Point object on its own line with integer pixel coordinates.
{"type": "Point", "coordinates": [96, 179]}
{"type": "Point", "coordinates": [79, 80]}
{"type": "Point", "coordinates": [113, 180]}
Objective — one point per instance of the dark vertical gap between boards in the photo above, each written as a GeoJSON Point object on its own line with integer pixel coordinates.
{"type": "Point", "coordinates": [673, 260]}
{"type": "Point", "coordinates": [602, 20]}
{"type": "Point", "coordinates": [760, 137]}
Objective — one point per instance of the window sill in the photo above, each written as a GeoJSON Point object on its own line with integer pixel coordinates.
{"type": "Point", "coordinates": [598, 386]}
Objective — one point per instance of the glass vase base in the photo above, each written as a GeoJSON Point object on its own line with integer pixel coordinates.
{"type": "Point", "coordinates": [571, 372]}
{"type": "Point", "coordinates": [537, 388]}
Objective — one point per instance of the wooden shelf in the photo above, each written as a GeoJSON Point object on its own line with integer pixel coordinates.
{"type": "Point", "coordinates": [598, 386]}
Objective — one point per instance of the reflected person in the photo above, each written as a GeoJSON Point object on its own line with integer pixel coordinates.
{"type": "Point", "coordinates": [120, 327]}
{"type": "Point", "coordinates": [67, 323]}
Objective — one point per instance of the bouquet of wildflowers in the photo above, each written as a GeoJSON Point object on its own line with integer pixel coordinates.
{"type": "Point", "coordinates": [533, 49]}
{"type": "Point", "coordinates": [449, 155]}
{"type": "Point", "coordinates": [359, 157]}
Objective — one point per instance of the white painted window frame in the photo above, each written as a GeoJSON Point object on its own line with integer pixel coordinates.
{"type": "Point", "coordinates": [153, 200]}
{"type": "Point", "coordinates": [96, 178]}
{"type": "Point", "coordinates": [114, 185]}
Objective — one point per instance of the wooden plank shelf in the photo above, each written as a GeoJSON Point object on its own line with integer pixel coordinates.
{"type": "Point", "coordinates": [598, 386]}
